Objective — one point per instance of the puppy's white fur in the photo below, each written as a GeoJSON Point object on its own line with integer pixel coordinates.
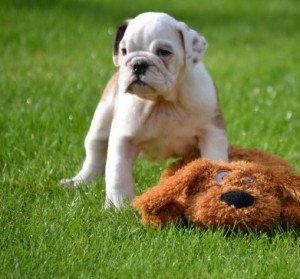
{"type": "Point", "coordinates": [162, 103]}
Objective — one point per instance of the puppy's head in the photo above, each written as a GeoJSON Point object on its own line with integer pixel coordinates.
{"type": "Point", "coordinates": [154, 51]}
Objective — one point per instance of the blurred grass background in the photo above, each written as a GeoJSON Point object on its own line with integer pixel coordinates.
{"type": "Point", "coordinates": [55, 58]}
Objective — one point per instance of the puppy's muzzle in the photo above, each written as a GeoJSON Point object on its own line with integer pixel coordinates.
{"type": "Point", "coordinates": [140, 67]}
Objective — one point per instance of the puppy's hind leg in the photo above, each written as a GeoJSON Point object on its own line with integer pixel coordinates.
{"type": "Point", "coordinates": [213, 144]}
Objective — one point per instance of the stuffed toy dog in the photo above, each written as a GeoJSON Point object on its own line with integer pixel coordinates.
{"type": "Point", "coordinates": [253, 191]}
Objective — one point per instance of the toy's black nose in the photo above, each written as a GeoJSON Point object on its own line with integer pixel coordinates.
{"type": "Point", "coordinates": [238, 198]}
{"type": "Point", "coordinates": [140, 67]}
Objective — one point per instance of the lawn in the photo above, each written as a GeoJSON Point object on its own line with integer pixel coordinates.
{"type": "Point", "coordinates": [55, 58]}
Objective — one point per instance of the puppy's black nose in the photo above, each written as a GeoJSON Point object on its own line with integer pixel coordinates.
{"type": "Point", "coordinates": [140, 67]}
{"type": "Point", "coordinates": [238, 199]}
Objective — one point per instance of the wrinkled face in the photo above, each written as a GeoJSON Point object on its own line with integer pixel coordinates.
{"type": "Point", "coordinates": [152, 51]}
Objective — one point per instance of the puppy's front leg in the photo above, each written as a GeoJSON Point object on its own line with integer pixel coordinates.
{"type": "Point", "coordinates": [95, 145]}
{"type": "Point", "coordinates": [121, 155]}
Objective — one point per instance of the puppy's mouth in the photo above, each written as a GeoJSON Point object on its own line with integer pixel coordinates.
{"type": "Point", "coordinates": [140, 88]}
{"type": "Point", "coordinates": [139, 83]}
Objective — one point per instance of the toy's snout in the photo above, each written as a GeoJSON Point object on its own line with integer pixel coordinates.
{"type": "Point", "coordinates": [238, 198]}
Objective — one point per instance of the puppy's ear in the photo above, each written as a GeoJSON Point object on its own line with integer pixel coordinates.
{"type": "Point", "coordinates": [118, 37]}
{"type": "Point", "coordinates": [194, 44]}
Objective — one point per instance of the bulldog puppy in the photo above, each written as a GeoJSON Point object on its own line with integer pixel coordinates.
{"type": "Point", "coordinates": [162, 102]}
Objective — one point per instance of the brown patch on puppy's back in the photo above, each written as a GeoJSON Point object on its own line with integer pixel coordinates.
{"type": "Point", "coordinates": [111, 89]}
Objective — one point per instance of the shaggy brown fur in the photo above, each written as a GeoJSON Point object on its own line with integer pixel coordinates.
{"type": "Point", "coordinates": [251, 192]}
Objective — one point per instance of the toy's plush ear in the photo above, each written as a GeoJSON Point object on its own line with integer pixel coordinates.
{"type": "Point", "coordinates": [165, 202]}
{"type": "Point", "coordinates": [290, 213]}
{"type": "Point", "coordinates": [118, 38]}
{"type": "Point", "coordinates": [289, 185]}
{"type": "Point", "coordinates": [290, 190]}
{"type": "Point", "coordinates": [194, 44]}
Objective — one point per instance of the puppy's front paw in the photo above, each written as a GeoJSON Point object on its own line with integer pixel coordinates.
{"type": "Point", "coordinates": [84, 176]}
{"type": "Point", "coordinates": [71, 182]}
{"type": "Point", "coordinates": [119, 200]}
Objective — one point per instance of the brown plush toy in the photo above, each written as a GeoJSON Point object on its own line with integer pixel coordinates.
{"type": "Point", "coordinates": [253, 191]}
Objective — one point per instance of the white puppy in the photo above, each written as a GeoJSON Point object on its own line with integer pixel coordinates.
{"type": "Point", "coordinates": [162, 102]}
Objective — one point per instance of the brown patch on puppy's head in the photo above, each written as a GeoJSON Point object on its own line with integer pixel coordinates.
{"type": "Point", "coordinates": [118, 37]}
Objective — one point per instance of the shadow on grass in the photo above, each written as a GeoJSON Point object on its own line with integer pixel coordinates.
{"type": "Point", "coordinates": [278, 231]}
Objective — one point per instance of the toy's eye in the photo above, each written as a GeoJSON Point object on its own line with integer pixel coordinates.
{"type": "Point", "coordinates": [221, 176]}
{"type": "Point", "coordinates": [248, 179]}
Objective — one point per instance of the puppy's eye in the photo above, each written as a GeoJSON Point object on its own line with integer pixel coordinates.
{"type": "Point", "coordinates": [221, 176]}
{"type": "Point", "coordinates": [123, 51]}
{"type": "Point", "coordinates": [163, 53]}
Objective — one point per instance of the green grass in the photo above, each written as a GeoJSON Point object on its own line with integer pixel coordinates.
{"type": "Point", "coordinates": [55, 58]}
